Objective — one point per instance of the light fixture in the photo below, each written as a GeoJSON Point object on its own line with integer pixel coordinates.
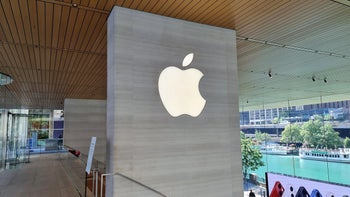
{"type": "Point", "coordinates": [5, 79]}
{"type": "Point", "coordinates": [313, 78]}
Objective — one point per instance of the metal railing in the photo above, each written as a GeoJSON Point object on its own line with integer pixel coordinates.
{"type": "Point", "coordinates": [129, 179]}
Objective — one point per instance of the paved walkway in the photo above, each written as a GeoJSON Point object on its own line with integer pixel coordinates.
{"type": "Point", "coordinates": [259, 191]}
{"type": "Point", "coordinates": [46, 175]}
{"type": "Point", "coordinates": [43, 176]}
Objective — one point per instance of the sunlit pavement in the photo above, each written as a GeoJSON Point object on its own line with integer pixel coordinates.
{"type": "Point", "coordinates": [258, 190]}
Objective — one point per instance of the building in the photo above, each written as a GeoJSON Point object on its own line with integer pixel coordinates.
{"type": "Point", "coordinates": [288, 53]}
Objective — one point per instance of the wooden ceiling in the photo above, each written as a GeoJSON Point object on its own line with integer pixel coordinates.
{"type": "Point", "coordinates": [56, 49]}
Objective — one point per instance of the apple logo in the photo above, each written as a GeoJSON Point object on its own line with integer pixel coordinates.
{"type": "Point", "coordinates": [179, 89]}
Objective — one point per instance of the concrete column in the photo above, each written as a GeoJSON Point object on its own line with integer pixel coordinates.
{"type": "Point", "coordinates": [177, 156]}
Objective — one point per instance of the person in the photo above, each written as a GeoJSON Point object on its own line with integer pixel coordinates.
{"type": "Point", "coordinates": [251, 194]}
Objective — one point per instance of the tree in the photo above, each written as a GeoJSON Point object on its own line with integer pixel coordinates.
{"type": "Point", "coordinates": [311, 132]}
{"type": "Point", "coordinates": [318, 135]}
{"type": "Point", "coordinates": [262, 137]}
{"type": "Point", "coordinates": [347, 142]}
{"type": "Point", "coordinates": [251, 156]}
{"type": "Point", "coordinates": [292, 134]}
{"type": "Point", "coordinates": [330, 138]}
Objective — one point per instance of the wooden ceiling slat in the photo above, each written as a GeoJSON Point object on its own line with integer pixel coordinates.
{"type": "Point", "coordinates": [101, 4]}
{"type": "Point", "coordinates": [109, 5]}
{"type": "Point", "coordinates": [41, 18]}
{"type": "Point", "coordinates": [56, 21]}
{"type": "Point", "coordinates": [176, 5]}
{"type": "Point", "coordinates": [190, 10]}
{"type": "Point", "coordinates": [63, 27]}
{"type": "Point", "coordinates": [70, 77]}
{"type": "Point", "coordinates": [30, 57]}
{"type": "Point", "coordinates": [23, 7]}
{"type": "Point", "coordinates": [49, 11]}
{"type": "Point", "coordinates": [214, 14]}
{"type": "Point", "coordinates": [37, 57]}
{"type": "Point", "coordinates": [127, 3]}
{"type": "Point", "coordinates": [158, 6]}
{"type": "Point", "coordinates": [70, 27]}
{"type": "Point", "coordinates": [28, 49]}
{"type": "Point", "coordinates": [32, 9]}
{"type": "Point", "coordinates": [13, 54]}
{"type": "Point", "coordinates": [61, 70]}
{"type": "Point", "coordinates": [84, 3]}
{"type": "Point", "coordinates": [18, 21]}
{"type": "Point", "coordinates": [77, 29]}
{"type": "Point", "coordinates": [83, 35]}
{"type": "Point", "coordinates": [263, 20]}
{"type": "Point", "coordinates": [202, 11]}
{"type": "Point", "coordinates": [73, 1]}
{"type": "Point", "coordinates": [165, 7]}
{"type": "Point", "coordinates": [142, 5]}
{"type": "Point", "coordinates": [149, 6]}
{"type": "Point", "coordinates": [5, 63]}
{"type": "Point", "coordinates": [7, 22]}
{"type": "Point", "coordinates": [103, 44]}
{"type": "Point", "coordinates": [91, 29]}
{"type": "Point", "coordinates": [100, 29]}
{"type": "Point", "coordinates": [92, 4]}
{"type": "Point", "coordinates": [100, 40]}
{"type": "Point", "coordinates": [245, 9]}
{"type": "Point", "coordinates": [222, 17]}
{"type": "Point", "coordinates": [313, 27]}
{"type": "Point", "coordinates": [135, 4]}
{"type": "Point", "coordinates": [88, 78]}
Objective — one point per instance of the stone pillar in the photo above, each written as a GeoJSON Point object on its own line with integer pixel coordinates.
{"type": "Point", "coordinates": [177, 156]}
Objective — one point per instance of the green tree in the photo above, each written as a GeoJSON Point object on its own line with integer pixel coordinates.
{"type": "Point", "coordinates": [292, 134]}
{"type": "Point", "coordinates": [251, 156]}
{"type": "Point", "coordinates": [262, 137]}
{"type": "Point", "coordinates": [311, 132]}
{"type": "Point", "coordinates": [318, 135]}
{"type": "Point", "coordinates": [347, 142]}
{"type": "Point", "coordinates": [330, 138]}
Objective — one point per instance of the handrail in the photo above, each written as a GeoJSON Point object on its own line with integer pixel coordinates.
{"type": "Point", "coordinates": [130, 179]}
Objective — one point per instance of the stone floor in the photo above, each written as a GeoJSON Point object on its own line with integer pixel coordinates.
{"type": "Point", "coordinates": [47, 175]}
{"type": "Point", "coordinates": [43, 176]}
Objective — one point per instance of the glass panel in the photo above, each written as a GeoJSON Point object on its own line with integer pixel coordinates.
{"type": "Point", "coordinates": [303, 140]}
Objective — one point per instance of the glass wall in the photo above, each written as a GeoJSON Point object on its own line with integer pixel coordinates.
{"type": "Point", "coordinates": [308, 141]}
{"type": "Point", "coordinates": [26, 132]}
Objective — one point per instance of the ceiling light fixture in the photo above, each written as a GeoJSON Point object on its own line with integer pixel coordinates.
{"type": "Point", "coordinates": [270, 74]}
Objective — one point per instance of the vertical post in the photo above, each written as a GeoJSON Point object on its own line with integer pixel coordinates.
{"type": "Point", "coordinates": [93, 180]}
{"type": "Point", "coordinates": [85, 182]}
{"type": "Point", "coordinates": [96, 184]}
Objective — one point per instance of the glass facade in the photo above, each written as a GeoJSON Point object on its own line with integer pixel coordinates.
{"type": "Point", "coordinates": [306, 141]}
{"type": "Point", "coordinates": [25, 132]}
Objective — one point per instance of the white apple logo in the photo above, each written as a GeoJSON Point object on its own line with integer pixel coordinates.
{"type": "Point", "coordinates": [179, 89]}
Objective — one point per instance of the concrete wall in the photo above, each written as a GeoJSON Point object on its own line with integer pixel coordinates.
{"type": "Point", "coordinates": [82, 120]}
{"type": "Point", "coordinates": [182, 156]}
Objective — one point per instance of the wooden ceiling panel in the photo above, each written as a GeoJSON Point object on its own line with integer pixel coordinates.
{"type": "Point", "coordinates": [55, 49]}
{"type": "Point", "coordinates": [189, 10]}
